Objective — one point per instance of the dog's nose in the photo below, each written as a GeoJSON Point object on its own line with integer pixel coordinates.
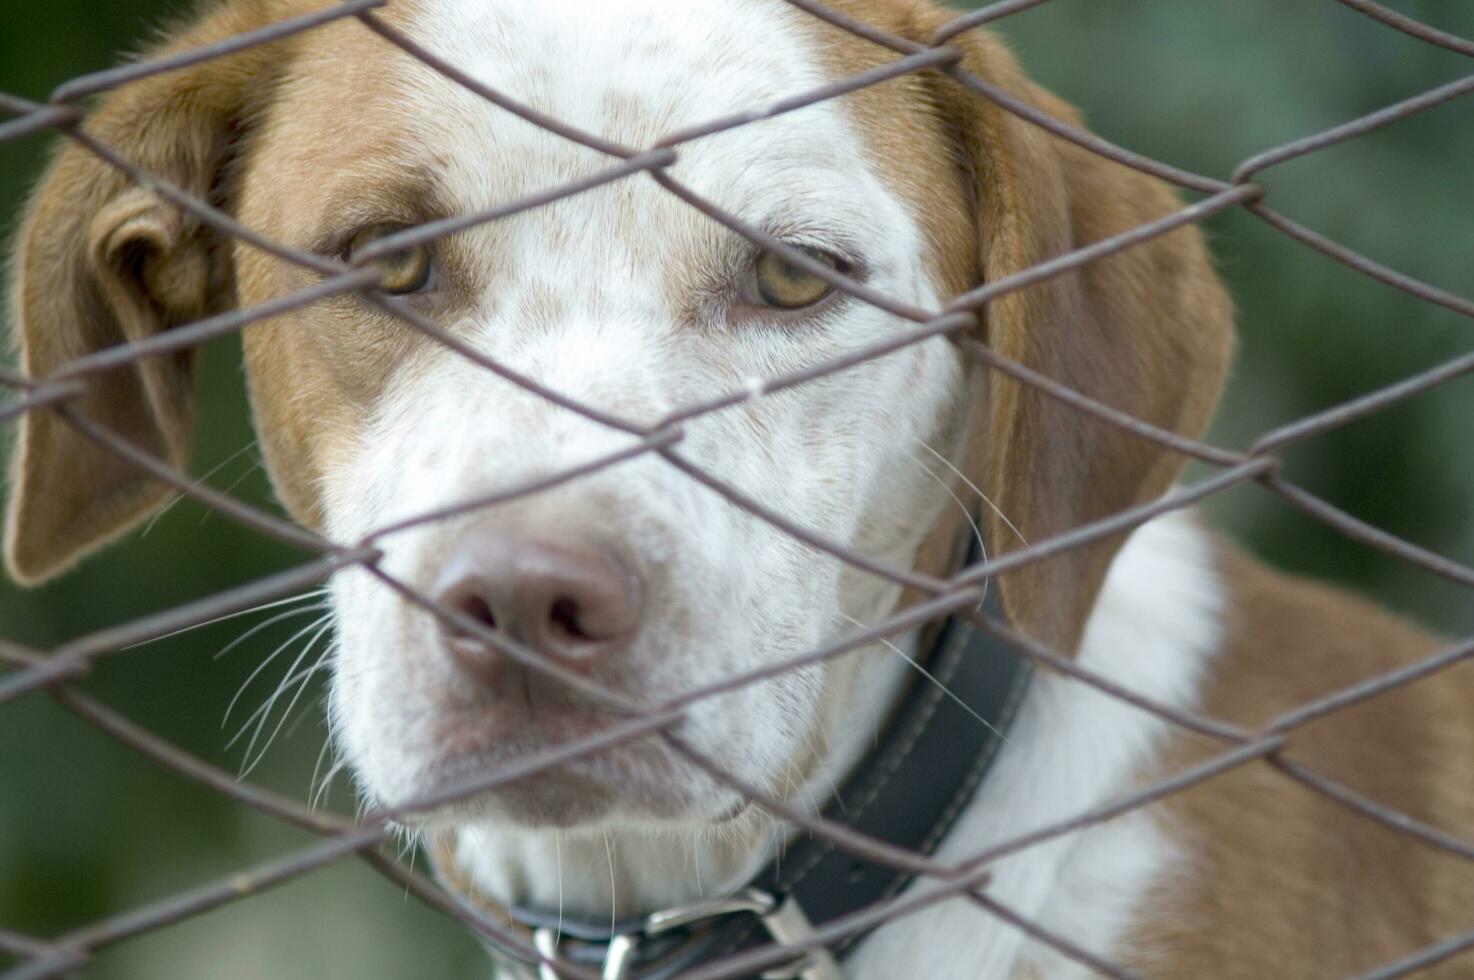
{"type": "Point", "coordinates": [574, 602]}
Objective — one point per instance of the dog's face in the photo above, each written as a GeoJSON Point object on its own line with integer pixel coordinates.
{"type": "Point", "coordinates": [627, 300]}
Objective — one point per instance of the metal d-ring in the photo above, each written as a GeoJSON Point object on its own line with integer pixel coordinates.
{"type": "Point", "coordinates": [784, 921]}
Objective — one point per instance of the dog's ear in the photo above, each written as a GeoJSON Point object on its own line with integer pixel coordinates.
{"type": "Point", "coordinates": [101, 262]}
{"type": "Point", "coordinates": [1148, 331]}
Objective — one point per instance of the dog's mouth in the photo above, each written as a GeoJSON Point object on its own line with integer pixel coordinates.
{"type": "Point", "coordinates": [535, 772]}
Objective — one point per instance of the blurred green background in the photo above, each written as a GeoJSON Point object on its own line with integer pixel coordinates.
{"type": "Point", "coordinates": [87, 828]}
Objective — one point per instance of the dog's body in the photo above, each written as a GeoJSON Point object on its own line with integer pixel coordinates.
{"type": "Point", "coordinates": [625, 299]}
{"type": "Point", "coordinates": [1248, 875]}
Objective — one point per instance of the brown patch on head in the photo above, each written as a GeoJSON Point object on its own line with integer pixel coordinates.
{"type": "Point", "coordinates": [315, 374]}
{"type": "Point", "coordinates": [905, 139]}
{"type": "Point", "coordinates": [263, 135]}
{"type": "Point", "coordinates": [102, 262]}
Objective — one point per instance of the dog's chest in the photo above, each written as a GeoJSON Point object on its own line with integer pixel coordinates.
{"type": "Point", "coordinates": [1154, 630]}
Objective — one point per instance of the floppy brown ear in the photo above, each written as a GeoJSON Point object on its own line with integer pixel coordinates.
{"type": "Point", "coordinates": [102, 262]}
{"type": "Point", "coordinates": [1148, 331]}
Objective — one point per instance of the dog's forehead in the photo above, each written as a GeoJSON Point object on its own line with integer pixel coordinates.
{"type": "Point", "coordinates": [358, 115]}
{"type": "Point", "coordinates": [631, 71]}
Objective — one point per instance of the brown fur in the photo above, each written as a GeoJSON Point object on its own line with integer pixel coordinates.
{"type": "Point", "coordinates": [1284, 882]}
{"type": "Point", "coordinates": [1281, 882]}
{"type": "Point", "coordinates": [1148, 331]}
{"type": "Point", "coordinates": [100, 262]}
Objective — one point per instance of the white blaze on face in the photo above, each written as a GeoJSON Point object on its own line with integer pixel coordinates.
{"type": "Point", "coordinates": [623, 298]}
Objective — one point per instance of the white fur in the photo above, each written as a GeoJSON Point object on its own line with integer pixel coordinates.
{"type": "Point", "coordinates": [1153, 630]}
{"type": "Point", "coordinates": [621, 298]}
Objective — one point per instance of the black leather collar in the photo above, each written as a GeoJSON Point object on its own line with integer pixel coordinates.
{"type": "Point", "coordinates": [927, 764]}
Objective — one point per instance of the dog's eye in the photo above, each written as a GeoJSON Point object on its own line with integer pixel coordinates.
{"type": "Point", "coordinates": [778, 283]}
{"type": "Point", "coordinates": [406, 271]}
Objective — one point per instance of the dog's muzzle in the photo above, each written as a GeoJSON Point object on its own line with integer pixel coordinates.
{"type": "Point", "coordinates": [932, 755]}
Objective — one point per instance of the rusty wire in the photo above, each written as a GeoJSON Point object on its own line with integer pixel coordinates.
{"type": "Point", "coordinates": [55, 671]}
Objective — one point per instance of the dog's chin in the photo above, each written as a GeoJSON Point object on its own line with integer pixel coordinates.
{"type": "Point", "coordinates": [623, 786]}
{"type": "Point", "coordinates": [557, 799]}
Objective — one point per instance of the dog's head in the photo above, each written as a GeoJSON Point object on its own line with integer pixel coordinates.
{"type": "Point", "coordinates": [636, 577]}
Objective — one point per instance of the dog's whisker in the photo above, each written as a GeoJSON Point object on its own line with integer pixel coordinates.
{"type": "Point", "coordinates": [265, 663]}
{"type": "Point", "coordinates": [324, 790]}
{"type": "Point", "coordinates": [975, 489]}
{"type": "Point", "coordinates": [558, 851]}
{"type": "Point", "coordinates": [319, 666]}
{"type": "Point", "coordinates": [830, 776]}
{"type": "Point", "coordinates": [977, 532]}
{"type": "Point", "coordinates": [270, 702]}
{"type": "Point", "coordinates": [262, 712]}
{"type": "Point", "coordinates": [197, 483]}
{"type": "Point", "coordinates": [301, 611]}
{"type": "Point", "coordinates": [613, 898]}
{"type": "Point", "coordinates": [795, 782]}
{"type": "Point", "coordinates": [300, 597]}
{"type": "Point", "coordinates": [230, 488]}
{"type": "Point", "coordinates": [304, 714]}
{"type": "Point", "coordinates": [932, 678]}
{"type": "Point", "coordinates": [832, 785]}
{"type": "Point", "coordinates": [306, 672]}
{"type": "Point", "coordinates": [312, 784]}
{"type": "Point", "coordinates": [696, 863]}
{"type": "Point", "coordinates": [404, 898]}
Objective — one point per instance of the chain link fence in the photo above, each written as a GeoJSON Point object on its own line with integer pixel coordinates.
{"type": "Point", "coordinates": [53, 673]}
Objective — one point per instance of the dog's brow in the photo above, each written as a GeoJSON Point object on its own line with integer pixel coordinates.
{"type": "Point", "coordinates": [359, 200]}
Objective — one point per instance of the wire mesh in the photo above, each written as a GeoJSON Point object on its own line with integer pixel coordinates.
{"type": "Point", "coordinates": [54, 672]}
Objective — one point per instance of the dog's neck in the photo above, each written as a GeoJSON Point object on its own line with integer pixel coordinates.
{"type": "Point", "coordinates": [1155, 629]}
{"type": "Point", "coordinates": [620, 873]}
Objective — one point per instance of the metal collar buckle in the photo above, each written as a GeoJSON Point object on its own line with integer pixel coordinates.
{"type": "Point", "coordinates": [784, 921]}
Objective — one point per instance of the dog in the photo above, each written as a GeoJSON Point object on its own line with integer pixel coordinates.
{"type": "Point", "coordinates": [650, 584]}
